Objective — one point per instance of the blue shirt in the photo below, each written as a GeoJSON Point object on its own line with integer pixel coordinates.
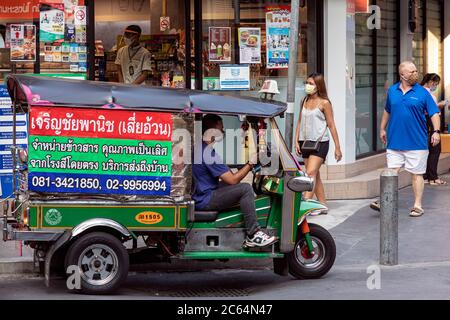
{"type": "Point", "coordinates": [407, 127]}
{"type": "Point", "coordinates": [206, 176]}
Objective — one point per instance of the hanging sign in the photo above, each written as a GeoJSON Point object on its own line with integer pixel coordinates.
{"type": "Point", "coordinates": [51, 22]}
{"type": "Point", "coordinates": [250, 45]}
{"type": "Point", "coordinates": [80, 15]}
{"type": "Point", "coordinates": [164, 23]}
{"type": "Point", "coordinates": [234, 77]}
{"type": "Point", "coordinates": [219, 44]}
{"type": "Point", "coordinates": [278, 20]}
{"type": "Point", "coordinates": [23, 42]}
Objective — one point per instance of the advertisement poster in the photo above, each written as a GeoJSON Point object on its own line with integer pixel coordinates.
{"type": "Point", "coordinates": [51, 22]}
{"type": "Point", "coordinates": [219, 44]}
{"type": "Point", "coordinates": [80, 150]}
{"type": "Point", "coordinates": [23, 42]}
{"type": "Point", "coordinates": [69, 9]}
{"type": "Point", "coordinates": [6, 132]}
{"type": "Point", "coordinates": [235, 77]}
{"type": "Point", "coordinates": [250, 45]}
{"type": "Point", "coordinates": [277, 23]}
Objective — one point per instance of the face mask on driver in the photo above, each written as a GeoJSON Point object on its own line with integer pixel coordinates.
{"type": "Point", "coordinates": [127, 41]}
{"type": "Point", "coordinates": [211, 134]}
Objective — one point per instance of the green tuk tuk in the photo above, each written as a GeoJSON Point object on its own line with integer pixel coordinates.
{"type": "Point", "coordinates": [101, 184]}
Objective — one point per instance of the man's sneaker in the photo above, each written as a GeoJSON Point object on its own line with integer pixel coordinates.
{"type": "Point", "coordinates": [375, 206]}
{"type": "Point", "coordinates": [259, 239]}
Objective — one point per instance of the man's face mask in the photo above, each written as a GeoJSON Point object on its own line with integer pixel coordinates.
{"type": "Point", "coordinates": [213, 134]}
{"type": "Point", "coordinates": [411, 78]}
{"type": "Point", "coordinates": [127, 41]}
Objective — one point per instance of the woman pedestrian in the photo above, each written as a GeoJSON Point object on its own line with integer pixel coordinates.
{"type": "Point", "coordinates": [431, 82]}
{"type": "Point", "coordinates": [312, 137]}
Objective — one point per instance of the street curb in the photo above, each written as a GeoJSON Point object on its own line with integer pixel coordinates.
{"type": "Point", "coordinates": [16, 266]}
{"type": "Point", "coordinates": [25, 266]}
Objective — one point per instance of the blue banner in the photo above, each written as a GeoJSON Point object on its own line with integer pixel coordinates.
{"type": "Point", "coordinates": [3, 92]}
{"type": "Point", "coordinates": [104, 184]}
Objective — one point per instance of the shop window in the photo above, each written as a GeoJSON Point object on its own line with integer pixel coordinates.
{"type": "Point", "coordinates": [163, 39]}
{"type": "Point", "coordinates": [46, 38]}
{"type": "Point", "coordinates": [235, 32]}
{"type": "Point", "coordinates": [364, 48]}
{"type": "Point", "coordinates": [376, 70]}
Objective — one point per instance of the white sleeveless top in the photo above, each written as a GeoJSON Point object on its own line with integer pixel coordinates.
{"type": "Point", "coordinates": [313, 124]}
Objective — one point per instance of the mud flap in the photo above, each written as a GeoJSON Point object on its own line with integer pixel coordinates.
{"type": "Point", "coordinates": [281, 266]}
{"type": "Point", "coordinates": [53, 248]}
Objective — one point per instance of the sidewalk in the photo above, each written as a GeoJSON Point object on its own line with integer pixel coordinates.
{"type": "Point", "coordinates": [354, 226]}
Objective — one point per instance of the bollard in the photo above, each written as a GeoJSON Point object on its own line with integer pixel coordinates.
{"type": "Point", "coordinates": [389, 217]}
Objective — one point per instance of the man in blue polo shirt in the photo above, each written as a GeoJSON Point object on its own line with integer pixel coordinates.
{"type": "Point", "coordinates": [209, 195]}
{"type": "Point", "coordinates": [406, 136]}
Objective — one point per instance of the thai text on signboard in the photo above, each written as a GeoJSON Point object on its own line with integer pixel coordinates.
{"type": "Point", "coordinates": [77, 150]}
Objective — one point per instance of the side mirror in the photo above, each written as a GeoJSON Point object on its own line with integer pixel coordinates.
{"type": "Point", "coordinates": [301, 184]}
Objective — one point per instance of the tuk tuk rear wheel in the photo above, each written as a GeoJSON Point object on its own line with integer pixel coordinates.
{"type": "Point", "coordinates": [302, 264]}
{"type": "Point", "coordinates": [102, 260]}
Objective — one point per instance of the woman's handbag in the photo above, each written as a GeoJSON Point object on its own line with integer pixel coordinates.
{"type": "Point", "coordinates": [310, 145]}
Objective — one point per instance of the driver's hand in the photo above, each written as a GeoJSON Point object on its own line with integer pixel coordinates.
{"type": "Point", "coordinates": [297, 148]}
{"type": "Point", "coordinates": [253, 158]}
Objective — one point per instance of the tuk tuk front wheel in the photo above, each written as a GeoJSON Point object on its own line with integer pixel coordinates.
{"type": "Point", "coordinates": [306, 265]}
{"type": "Point", "coordinates": [102, 262]}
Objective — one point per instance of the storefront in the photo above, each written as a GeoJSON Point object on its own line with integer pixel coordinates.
{"type": "Point", "coordinates": [379, 52]}
{"type": "Point", "coordinates": [81, 38]}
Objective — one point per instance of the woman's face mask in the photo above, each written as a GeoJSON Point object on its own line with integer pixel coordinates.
{"type": "Point", "coordinates": [310, 89]}
{"type": "Point", "coordinates": [434, 87]}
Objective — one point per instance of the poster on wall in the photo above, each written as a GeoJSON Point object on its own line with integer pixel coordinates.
{"type": "Point", "coordinates": [234, 77]}
{"type": "Point", "coordinates": [249, 45]}
{"type": "Point", "coordinates": [219, 44]}
{"type": "Point", "coordinates": [52, 22]}
{"type": "Point", "coordinates": [278, 19]}
{"type": "Point", "coordinates": [23, 43]}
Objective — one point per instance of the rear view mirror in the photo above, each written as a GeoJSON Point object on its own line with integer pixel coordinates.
{"type": "Point", "coordinates": [301, 184]}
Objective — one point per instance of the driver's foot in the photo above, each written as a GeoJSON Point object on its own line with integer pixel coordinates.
{"type": "Point", "coordinates": [259, 239]}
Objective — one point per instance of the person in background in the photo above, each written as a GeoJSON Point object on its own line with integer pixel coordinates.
{"type": "Point", "coordinates": [404, 129]}
{"type": "Point", "coordinates": [2, 36]}
{"type": "Point", "coordinates": [431, 82]}
{"type": "Point", "coordinates": [316, 117]}
{"type": "Point", "coordinates": [134, 60]}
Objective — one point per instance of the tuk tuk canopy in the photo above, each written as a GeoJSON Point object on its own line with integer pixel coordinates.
{"type": "Point", "coordinates": [44, 91]}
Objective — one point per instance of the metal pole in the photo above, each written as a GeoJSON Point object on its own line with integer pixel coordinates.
{"type": "Point", "coordinates": [389, 217]}
{"type": "Point", "coordinates": [292, 73]}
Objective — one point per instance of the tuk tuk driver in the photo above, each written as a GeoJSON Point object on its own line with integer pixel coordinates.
{"type": "Point", "coordinates": [133, 59]}
{"type": "Point", "coordinates": [210, 196]}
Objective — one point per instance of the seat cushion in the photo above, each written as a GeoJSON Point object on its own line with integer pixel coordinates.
{"type": "Point", "coordinates": [205, 216]}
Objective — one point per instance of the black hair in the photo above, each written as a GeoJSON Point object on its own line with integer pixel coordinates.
{"type": "Point", "coordinates": [430, 77]}
{"type": "Point", "coordinates": [210, 121]}
{"type": "Point", "coordinates": [2, 29]}
{"type": "Point", "coordinates": [134, 28]}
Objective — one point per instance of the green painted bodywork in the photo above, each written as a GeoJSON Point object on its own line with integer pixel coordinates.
{"type": "Point", "coordinates": [46, 216]}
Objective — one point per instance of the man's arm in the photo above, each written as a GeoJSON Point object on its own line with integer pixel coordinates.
{"type": "Point", "coordinates": [141, 78]}
{"type": "Point", "coordinates": [118, 62]}
{"type": "Point", "coordinates": [436, 137]}
{"type": "Point", "coordinates": [235, 178]}
{"type": "Point", "coordinates": [383, 125]}
{"type": "Point", "coordinates": [120, 74]}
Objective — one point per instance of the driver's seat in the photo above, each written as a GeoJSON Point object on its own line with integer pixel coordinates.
{"type": "Point", "coordinates": [205, 216]}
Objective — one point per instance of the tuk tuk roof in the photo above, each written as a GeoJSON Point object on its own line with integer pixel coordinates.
{"type": "Point", "coordinates": [48, 91]}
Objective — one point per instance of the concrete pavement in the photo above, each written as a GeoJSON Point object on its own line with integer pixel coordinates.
{"type": "Point", "coordinates": [423, 271]}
